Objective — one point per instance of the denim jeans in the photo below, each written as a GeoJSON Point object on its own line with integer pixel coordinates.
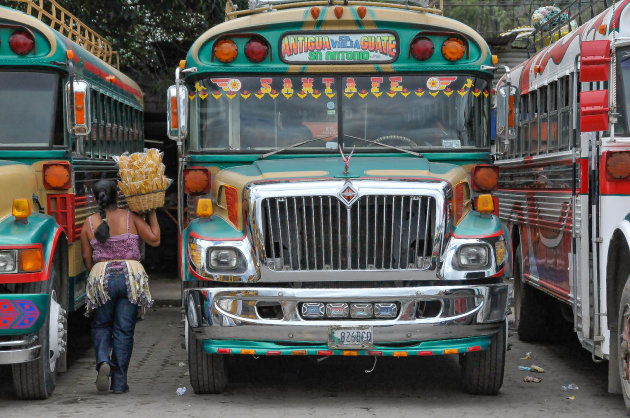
{"type": "Point", "coordinates": [112, 330]}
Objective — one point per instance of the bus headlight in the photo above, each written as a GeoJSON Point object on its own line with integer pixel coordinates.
{"type": "Point", "coordinates": [8, 261]}
{"type": "Point", "coordinates": [472, 256]}
{"type": "Point", "coordinates": [223, 258]}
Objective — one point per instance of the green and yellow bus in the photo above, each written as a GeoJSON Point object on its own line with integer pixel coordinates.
{"type": "Point", "coordinates": [64, 112]}
{"type": "Point", "coordinates": [335, 189]}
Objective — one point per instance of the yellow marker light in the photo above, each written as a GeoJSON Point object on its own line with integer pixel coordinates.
{"type": "Point", "coordinates": [451, 351]}
{"type": "Point", "coordinates": [30, 260]}
{"type": "Point", "coordinates": [485, 204]}
{"type": "Point", "coordinates": [244, 351]}
{"type": "Point", "coordinates": [499, 248]}
{"type": "Point", "coordinates": [182, 64]}
{"type": "Point", "coordinates": [400, 354]}
{"type": "Point", "coordinates": [350, 353]}
{"type": "Point", "coordinates": [495, 60]}
{"type": "Point", "coordinates": [21, 209]}
{"type": "Point", "coordinates": [204, 208]}
{"type": "Point", "coordinates": [298, 352]}
{"type": "Point", "coordinates": [195, 254]}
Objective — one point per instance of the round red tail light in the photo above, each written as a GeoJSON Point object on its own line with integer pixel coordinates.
{"type": "Point", "coordinates": [618, 165]}
{"type": "Point", "coordinates": [256, 50]}
{"type": "Point", "coordinates": [422, 49]}
{"type": "Point", "coordinates": [21, 42]}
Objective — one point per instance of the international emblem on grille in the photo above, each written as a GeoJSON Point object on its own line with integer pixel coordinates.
{"type": "Point", "coordinates": [348, 194]}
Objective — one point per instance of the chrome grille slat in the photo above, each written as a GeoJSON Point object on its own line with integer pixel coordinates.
{"type": "Point", "coordinates": [293, 242]}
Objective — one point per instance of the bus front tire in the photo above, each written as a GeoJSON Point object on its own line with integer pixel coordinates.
{"type": "Point", "coordinates": [37, 379]}
{"type": "Point", "coordinates": [623, 344]}
{"type": "Point", "coordinates": [482, 371]}
{"type": "Point", "coordinates": [208, 372]}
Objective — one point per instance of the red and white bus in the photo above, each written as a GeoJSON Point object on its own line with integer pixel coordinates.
{"type": "Point", "coordinates": [564, 186]}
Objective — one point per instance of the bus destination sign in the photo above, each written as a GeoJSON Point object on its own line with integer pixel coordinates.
{"type": "Point", "coordinates": [349, 48]}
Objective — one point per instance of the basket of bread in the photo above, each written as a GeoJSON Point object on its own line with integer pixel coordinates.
{"type": "Point", "coordinates": [142, 180]}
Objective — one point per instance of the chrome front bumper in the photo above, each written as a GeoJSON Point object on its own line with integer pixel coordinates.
{"type": "Point", "coordinates": [232, 313]}
{"type": "Point", "coordinates": [19, 351]}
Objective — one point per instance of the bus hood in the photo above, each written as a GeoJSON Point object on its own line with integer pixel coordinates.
{"type": "Point", "coordinates": [333, 168]}
{"type": "Point", "coordinates": [18, 182]}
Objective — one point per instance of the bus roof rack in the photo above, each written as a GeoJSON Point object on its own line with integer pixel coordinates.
{"type": "Point", "coordinates": [261, 6]}
{"type": "Point", "coordinates": [574, 15]}
{"type": "Point", "coordinates": [64, 22]}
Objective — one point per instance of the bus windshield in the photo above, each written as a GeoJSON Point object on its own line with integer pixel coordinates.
{"type": "Point", "coordinates": [27, 103]}
{"type": "Point", "coordinates": [411, 111]}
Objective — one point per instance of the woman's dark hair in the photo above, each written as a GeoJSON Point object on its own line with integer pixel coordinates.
{"type": "Point", "coordinates": [106, 195]}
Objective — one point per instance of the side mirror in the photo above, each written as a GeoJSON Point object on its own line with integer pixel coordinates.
{"type": "Point", "coordinates": [79, 102]}
{"type": "Point", "coordinates": [177, 112]}
{"type": "Point", "coordinates": [506, 111]}
{"type": "Point", "coordinates": [594, 111]}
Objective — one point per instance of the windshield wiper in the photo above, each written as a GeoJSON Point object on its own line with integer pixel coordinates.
{"type": "Point", "coordinates": [406, 151]}
{"type": "Point", "coordinates": [269, 154]}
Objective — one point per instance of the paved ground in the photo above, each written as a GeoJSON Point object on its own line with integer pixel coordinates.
{"type": "Point", "coordinates": [277, 387]}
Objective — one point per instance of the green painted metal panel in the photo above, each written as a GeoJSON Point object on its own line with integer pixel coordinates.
{"type": "Point", "coordinates": [436, 347]}
{"type": "Point", "coordinates": [22, 318]}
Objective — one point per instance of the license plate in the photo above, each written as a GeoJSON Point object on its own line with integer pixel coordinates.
{"type": "Point", "coordinates": [351, 337]}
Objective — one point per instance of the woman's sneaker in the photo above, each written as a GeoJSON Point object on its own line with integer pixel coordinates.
{"type": "Point", "coordinates": [102, 378]}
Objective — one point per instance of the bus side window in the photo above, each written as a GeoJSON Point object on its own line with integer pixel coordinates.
{"type": "Point", "coordinates": [553, 117]}
{"type": "Point", "coordinates": [533, 127]}
{"type": "Point", "coordinates": [544, 119]}
{"type": "Point", "coordinates": [564, 102]}
{"type": "Point", "coordinates": [522, 125]}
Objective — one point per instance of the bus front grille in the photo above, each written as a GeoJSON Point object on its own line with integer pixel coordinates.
{"type": "Point", "coordinates": [306, 233]}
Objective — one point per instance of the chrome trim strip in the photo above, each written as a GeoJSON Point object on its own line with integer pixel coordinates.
{"type": "Point", "coordinates": [467, 311]}
{"type": "Point", "coordinates": [20, 356]}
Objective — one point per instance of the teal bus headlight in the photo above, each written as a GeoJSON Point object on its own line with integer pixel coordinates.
{"type": "Point", "coordinates": [472, 256]}
{"type": "Point", "coordinates": [8, 261]}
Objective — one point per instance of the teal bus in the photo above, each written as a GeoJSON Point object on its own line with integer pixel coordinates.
{"type": "Point", "coordinates": [335, 189]}
{"type": "Point", "coordinates": [65, 111]}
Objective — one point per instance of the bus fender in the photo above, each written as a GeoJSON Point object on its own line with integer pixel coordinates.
{"type": "Point", "coordinates": [617, 269]}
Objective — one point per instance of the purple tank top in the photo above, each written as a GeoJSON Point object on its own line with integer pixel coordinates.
{"type": "Point", "coordinates": [117, 247]}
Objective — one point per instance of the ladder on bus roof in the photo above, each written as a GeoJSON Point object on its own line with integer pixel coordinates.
{"type": "Point", "coordinates": [64, 22]}
{"type": "Point", "coordinates": [260, 6]}
{"type": "Point", "coordinates": [574, 15]}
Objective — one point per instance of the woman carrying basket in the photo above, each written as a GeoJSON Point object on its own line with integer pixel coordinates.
{"type": "Point", "coordinates": [117, 285]}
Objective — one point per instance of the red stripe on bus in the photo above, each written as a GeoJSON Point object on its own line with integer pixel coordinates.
{"type": "Point", "coordinates": [97, 71]}
{"type": "Point", "coordinates": [553, 289]}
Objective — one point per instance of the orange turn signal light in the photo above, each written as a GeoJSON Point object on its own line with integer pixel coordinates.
{"type": "Point", "coordinates": [485, 203]}
{"type": "Point", "coordinates": [30, 260]}
{"type": "Point", "coordinates": [196, 180]}
{"type": "Point", "coordinates": [21, 209]}
{"type": "Point", "coordinates": [70, 54]}
{"type": "Point", "coordinates": [495, 60]}
{"type": "Point", "coordinates": [57, 175]}
{"type": "Point", "coordinates": [182, 64]}
{"type": "Point", "coordinates": [618, 164]}
{"type": "Point", "coordinates": [205, 208]}
{"type": "Point", "coordinates": [225, 50]}
{"type": "Point", "coordinates": [485, 178]}
{"type": "Point", "coordinates": [453, 49]}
